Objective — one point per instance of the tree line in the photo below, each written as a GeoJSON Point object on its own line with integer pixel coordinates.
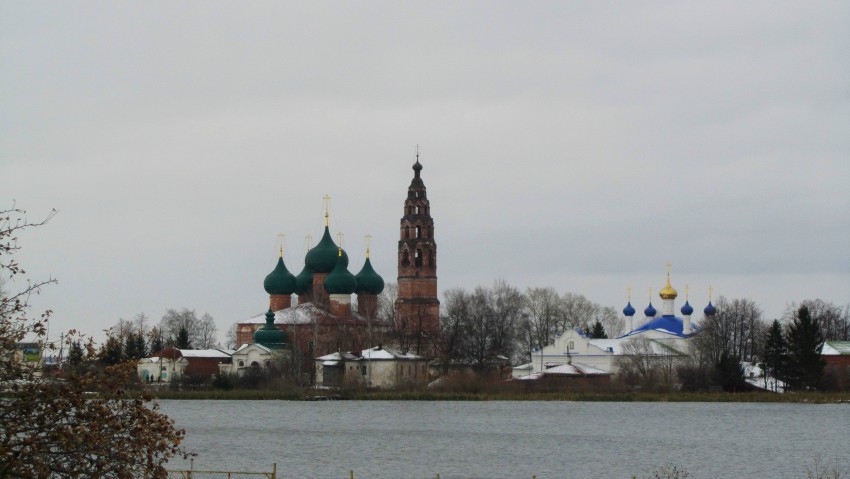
{"type": "Point", "coordinates": [134, 339]}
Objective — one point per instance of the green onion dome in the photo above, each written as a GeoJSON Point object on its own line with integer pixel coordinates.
{"type": "Point", "coordinates": [279, 281]}
{"type": "Point", "coordinates": [269, 336]}
{"type": "Point", "coordinates": [368, 281]}
{"type": "Point", "coordinates": [304, 281]}
{"type": "Point", "coordinates": [340, 280]}
{"type": "Point", "coordinates": [323, 257]}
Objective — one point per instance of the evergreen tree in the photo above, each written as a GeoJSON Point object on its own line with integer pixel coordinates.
{"type": "Point", "coordinates": [598, 331]}
{"type": "Point", "coordinates": [181, 340]}
{"type": "Point", "coordinates": [130, 347]}
{"type": "Point", "coordinates": [112, 351]}
{"type": "Point", "coordinates": [75, 356]}
{"type": "Point", "coordinates": [141, 348]}
{"type": "Point", "coordinates": [775, 352]}
{"type": "Point", "coordinates": [730, 374]}
{"type": "Point", "coordinates": [805, 341]}
{"type": "Point", "coordinates": [155, 340]}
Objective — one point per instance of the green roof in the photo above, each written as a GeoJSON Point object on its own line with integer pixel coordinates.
{"type": "Point", "coordinates": [368, 281]}
{"type": "Point", "coordinates": [323, 257]}
{"type": "Point", "coordinates": [340, 280]}
{"type": "Point", "coordinates": [280, 280]}
{"type": "Point", "coordinates": [269, 336]}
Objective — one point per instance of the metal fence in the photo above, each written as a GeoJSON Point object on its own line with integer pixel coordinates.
{"type": "Point", "coordinates": [193, 474]}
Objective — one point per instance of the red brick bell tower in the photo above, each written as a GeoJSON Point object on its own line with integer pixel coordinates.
{"type": "Point", "coordinates": [417, 308]}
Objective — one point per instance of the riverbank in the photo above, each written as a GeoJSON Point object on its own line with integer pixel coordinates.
{"type": "Point", "coordinates": [363, 395]}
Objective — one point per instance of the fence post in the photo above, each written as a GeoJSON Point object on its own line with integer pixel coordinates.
{"type": "Point", "coordinates": [438, 475]}
{"type": "Point", "coordinates": [351, 474]}
{"type": "Point", "coordinates": [274, 470]}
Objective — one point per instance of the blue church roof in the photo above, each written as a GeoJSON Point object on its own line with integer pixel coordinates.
{"type": "Point", "coordinates": [672, 325]}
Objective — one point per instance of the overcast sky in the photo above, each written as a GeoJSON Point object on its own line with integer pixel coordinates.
{"type": "Point", "coordinates": [578, 145]}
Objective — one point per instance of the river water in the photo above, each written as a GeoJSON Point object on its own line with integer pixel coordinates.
{"type": "Point", "coordinates": [511, 439]}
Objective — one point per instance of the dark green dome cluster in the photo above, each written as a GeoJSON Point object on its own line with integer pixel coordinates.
{"type": "Point", "coordinates": [340, 280]}
{"type": "Point", "coordinates": [280, 281]}
{"type": "Point", "coordinates": [368, 281]}
{"type": "Point", "coordinates": [323, 257]}
{"type": "Point", "coordinates": [269, 336]}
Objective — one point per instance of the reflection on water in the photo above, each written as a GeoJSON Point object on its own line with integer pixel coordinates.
{"type": "Point", "coordinates": [510, 439]}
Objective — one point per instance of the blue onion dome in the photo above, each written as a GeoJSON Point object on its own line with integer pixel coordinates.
{"type": "Point", "coordinates": [709, 310]}
{"type": "Point", "coordinates": [279, 281]}
{"type": "Point", "coordinates": [687, 309]}
{"type": "Point", "coordinates": [323, 257]}
{"type": "Point", "coordinates": [304, 281]}
{"type": "Point", "coordinates": [368, 281]}
{"type": "Point", "coordinates": [340, 280]}
{"type": "Point", "coordinates": [268, 335]}
{"type": "Point", "coordinates": [650, 311]}
{"type": "Point", "coordinates": [629, 310]}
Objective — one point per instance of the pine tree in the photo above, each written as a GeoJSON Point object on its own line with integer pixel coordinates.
{"type": "Point", "coordinates": [155, 340]}
{"type": "Point", "coordinates": [598, 331]}
{"type": "Point", "coordinates": [805, 341]}
{"type": "Point", "coordinates": [141, 348]}
{"type": "Point", "coordinates": [181, 341]}
{"type": "Point", "coordinates": [775, 352]}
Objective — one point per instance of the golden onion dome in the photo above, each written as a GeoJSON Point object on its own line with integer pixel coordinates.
{"type": "Point", "coordinates": [668, 292]}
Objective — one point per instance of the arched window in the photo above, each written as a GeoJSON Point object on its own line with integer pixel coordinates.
{"type": "Point", "coordinates": [417, 194]}
{"type": "Point", "coordinates": [241, 363]}
{"type": "Point", "coordinates": [417, 210]}
{"type": "Point", "coordinates": [405, 259]}
{"type": "Point", "coordinates": [418, 232]}
{"type": "Point", "coordinates": [418, 258]}
{"type": "Point", "coordinates": [255, 364]}
{"type": "Point", "coordinates": [406, 232]}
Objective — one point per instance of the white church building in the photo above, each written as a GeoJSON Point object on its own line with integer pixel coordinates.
{"type": "Point", "coordinates": [666, 335]}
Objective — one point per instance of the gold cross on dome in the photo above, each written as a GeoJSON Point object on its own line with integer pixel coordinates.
{"type": "Point", "coordinates": [327, 200]}
{"type": "Point", "coordinates": [368, 244]}
{"type": "Point", "coordinates": [339, 237]}
{"type": "Point", "coordinates": [629, 289]}
{"type": "Point", "coordinates": [709, 293]}
{"type": "Point", "coordinates": [280, 237]}
{"type": "Point", "coordinates": [308, 239]}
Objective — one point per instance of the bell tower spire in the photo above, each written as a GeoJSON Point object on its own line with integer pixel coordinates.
{"type": "Point", "coordinates": [417, 309]}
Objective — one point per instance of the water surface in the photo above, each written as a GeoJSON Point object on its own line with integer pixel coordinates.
{"type": "Point", "coordinates": [510, 439]}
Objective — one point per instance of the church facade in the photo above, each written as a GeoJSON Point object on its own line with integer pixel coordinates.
{"type": "Point", "coordinates": [667, 336]}
{"type": "Point", "coordinates": [321, 319]}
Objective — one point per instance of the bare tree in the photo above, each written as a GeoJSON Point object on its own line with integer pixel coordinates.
{"type": "Point", "coordinates": [542, 311]}
{"type": "Point", "coordinates": [577, 312]}
{"type": "Point", "coordinates": [207, 336]}
{"type": "Point", "coordinates": [736, 330]}
{"type": "Point", "coordinates": [58, 428]}
{"type": "Point", "coordinates": [230, 337]}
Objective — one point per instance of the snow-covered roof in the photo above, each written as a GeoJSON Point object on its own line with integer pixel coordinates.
{"type": "Point", "coordinates": [379, 352]}
{"type": "Point", "coordinates": [305, 313]}
{"type": "Point", "coordinates": [671, 325]}
{"type": "Point", "coordinates": [576, 369]}
{"type": "Point", "coordinates": [524, 367]}
{"type": "Point", "coordinates": [607, 345]}
{"type": "Point", "coordinates": [836, 348]}
{"type": "Point", "coordinates": [249, 345]}
{"type": "Point", "coordinates": [204, 353]}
